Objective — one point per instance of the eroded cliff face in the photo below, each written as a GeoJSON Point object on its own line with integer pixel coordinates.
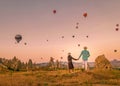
{"type": "Point", "coordinates": [102, 63]}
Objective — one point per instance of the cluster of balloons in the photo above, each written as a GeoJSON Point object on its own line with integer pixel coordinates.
{"type": "Point", "coordinates": [18, 37]}
{"type": "Point", "coordinates": [77, 25]}
{"type": "Point", "coordinates": [117, 27]}
{"type": "Point", "coordinates": [85, 15]}
{"type": "Point", "coordinates": [73, 36]}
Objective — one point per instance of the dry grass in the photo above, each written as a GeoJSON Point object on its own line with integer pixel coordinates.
{"type": "Point", "coordinates": [61, 78]}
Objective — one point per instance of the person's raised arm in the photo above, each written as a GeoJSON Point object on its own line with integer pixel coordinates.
{"type": "Point", "coordinates": [74, 58]}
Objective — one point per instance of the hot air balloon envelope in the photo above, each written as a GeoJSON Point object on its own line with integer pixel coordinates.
{"type": "Point", "coordinates": [85, 15]}
{"type": "Point", "coordinates": [62, 36]}
{"type": "Point", "coordinates": [76, 27]}
{"type": "Point", "coordinates": [25, 43]}
{"type": "Point", "coordinates": [86, 36]}
{"type": "Point", "coordinates": [117, 25]}
{"type": "Point", "coordinates": [18, 38]}
{"type": "Point", "coordinates": [78, 45]}
{"type": "Point", "coordinates": [117, 29]}
{"type": "Point", "coordinates": [61, 57]}
{"type": "Point", "coordinates": [73, 36]}
{"type": "Point", "coordinates": [115, 50]}
{"type": "Point", "coordinates": [54, 11]}
{"type": "Point", "coordinates": [77, 23]}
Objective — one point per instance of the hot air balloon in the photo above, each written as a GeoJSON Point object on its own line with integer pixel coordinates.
{"type": "Point", "coordinates": [73, 36]}
{"type": "Point", "coordinates": [62, 36]}
{"type": "Point", "coordinates": [87, 36]}
{"type": "Point", "coordinates": [115, 50]}
{"type": "Point", "coordinates": [78, 45]}
{"type": "Point", "coordinates": [117, 25]}
{"type": "Point", "coordinates": [18, 38]}
{"type": "Point", "coordinates": [85, 15]}
{"type": "Point", "coordinates": [76, 27]}
{"type": "Point", "coordinates": [77, 23]}
{"type": "Point", "coordinates": [61, 57]}
{"type": "Point", "coordinates": [25, 43]}
{"type": "Point", "coordinates": [117, 29]}
{"type": "Point", "coordinates": [54, 11]}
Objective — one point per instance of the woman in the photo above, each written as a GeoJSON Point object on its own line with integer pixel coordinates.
{"type": "Point", "coordinates": [70, 64]}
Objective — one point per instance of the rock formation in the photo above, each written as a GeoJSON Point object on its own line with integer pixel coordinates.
{"type": "Point", "coordinates": [101, 62]}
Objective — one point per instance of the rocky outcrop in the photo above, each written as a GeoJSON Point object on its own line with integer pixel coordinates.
{"type": "Point", "coordinates": [3, 67]}
{"type": "Point", "coordinates": [101, 62]}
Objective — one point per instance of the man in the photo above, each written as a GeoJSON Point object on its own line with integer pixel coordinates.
{"type": "Point", "coordinates": [85, 54]}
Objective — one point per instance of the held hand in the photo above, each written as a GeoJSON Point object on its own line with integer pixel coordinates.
{"type": "Point", "coordinates": [76, 59]}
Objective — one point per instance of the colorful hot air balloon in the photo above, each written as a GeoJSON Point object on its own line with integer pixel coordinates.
{"type": "Point", "coordinates": [18, 38]}
{"type": "Point", "coordinates": [85, 15]}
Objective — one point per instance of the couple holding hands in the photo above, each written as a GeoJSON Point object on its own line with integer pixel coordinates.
{"type": "Point", "coordinates": [84, 53]}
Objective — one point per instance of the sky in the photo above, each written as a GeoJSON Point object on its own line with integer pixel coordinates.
{"type": "Point", "coordinates": [37, 23]}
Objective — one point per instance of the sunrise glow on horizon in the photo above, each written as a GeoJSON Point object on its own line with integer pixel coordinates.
{"type": "Point", "coordinates": [48, 26]}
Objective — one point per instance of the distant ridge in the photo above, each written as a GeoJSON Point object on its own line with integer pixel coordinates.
{"type": "Point", "coordinates": [115, 63]}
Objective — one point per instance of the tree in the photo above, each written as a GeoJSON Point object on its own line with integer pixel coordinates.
{"type": "Point", "coordinates": [30, 64]}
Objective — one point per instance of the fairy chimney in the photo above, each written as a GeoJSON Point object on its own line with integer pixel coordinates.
{"type": "Point", "coordinates": [101, 62]}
